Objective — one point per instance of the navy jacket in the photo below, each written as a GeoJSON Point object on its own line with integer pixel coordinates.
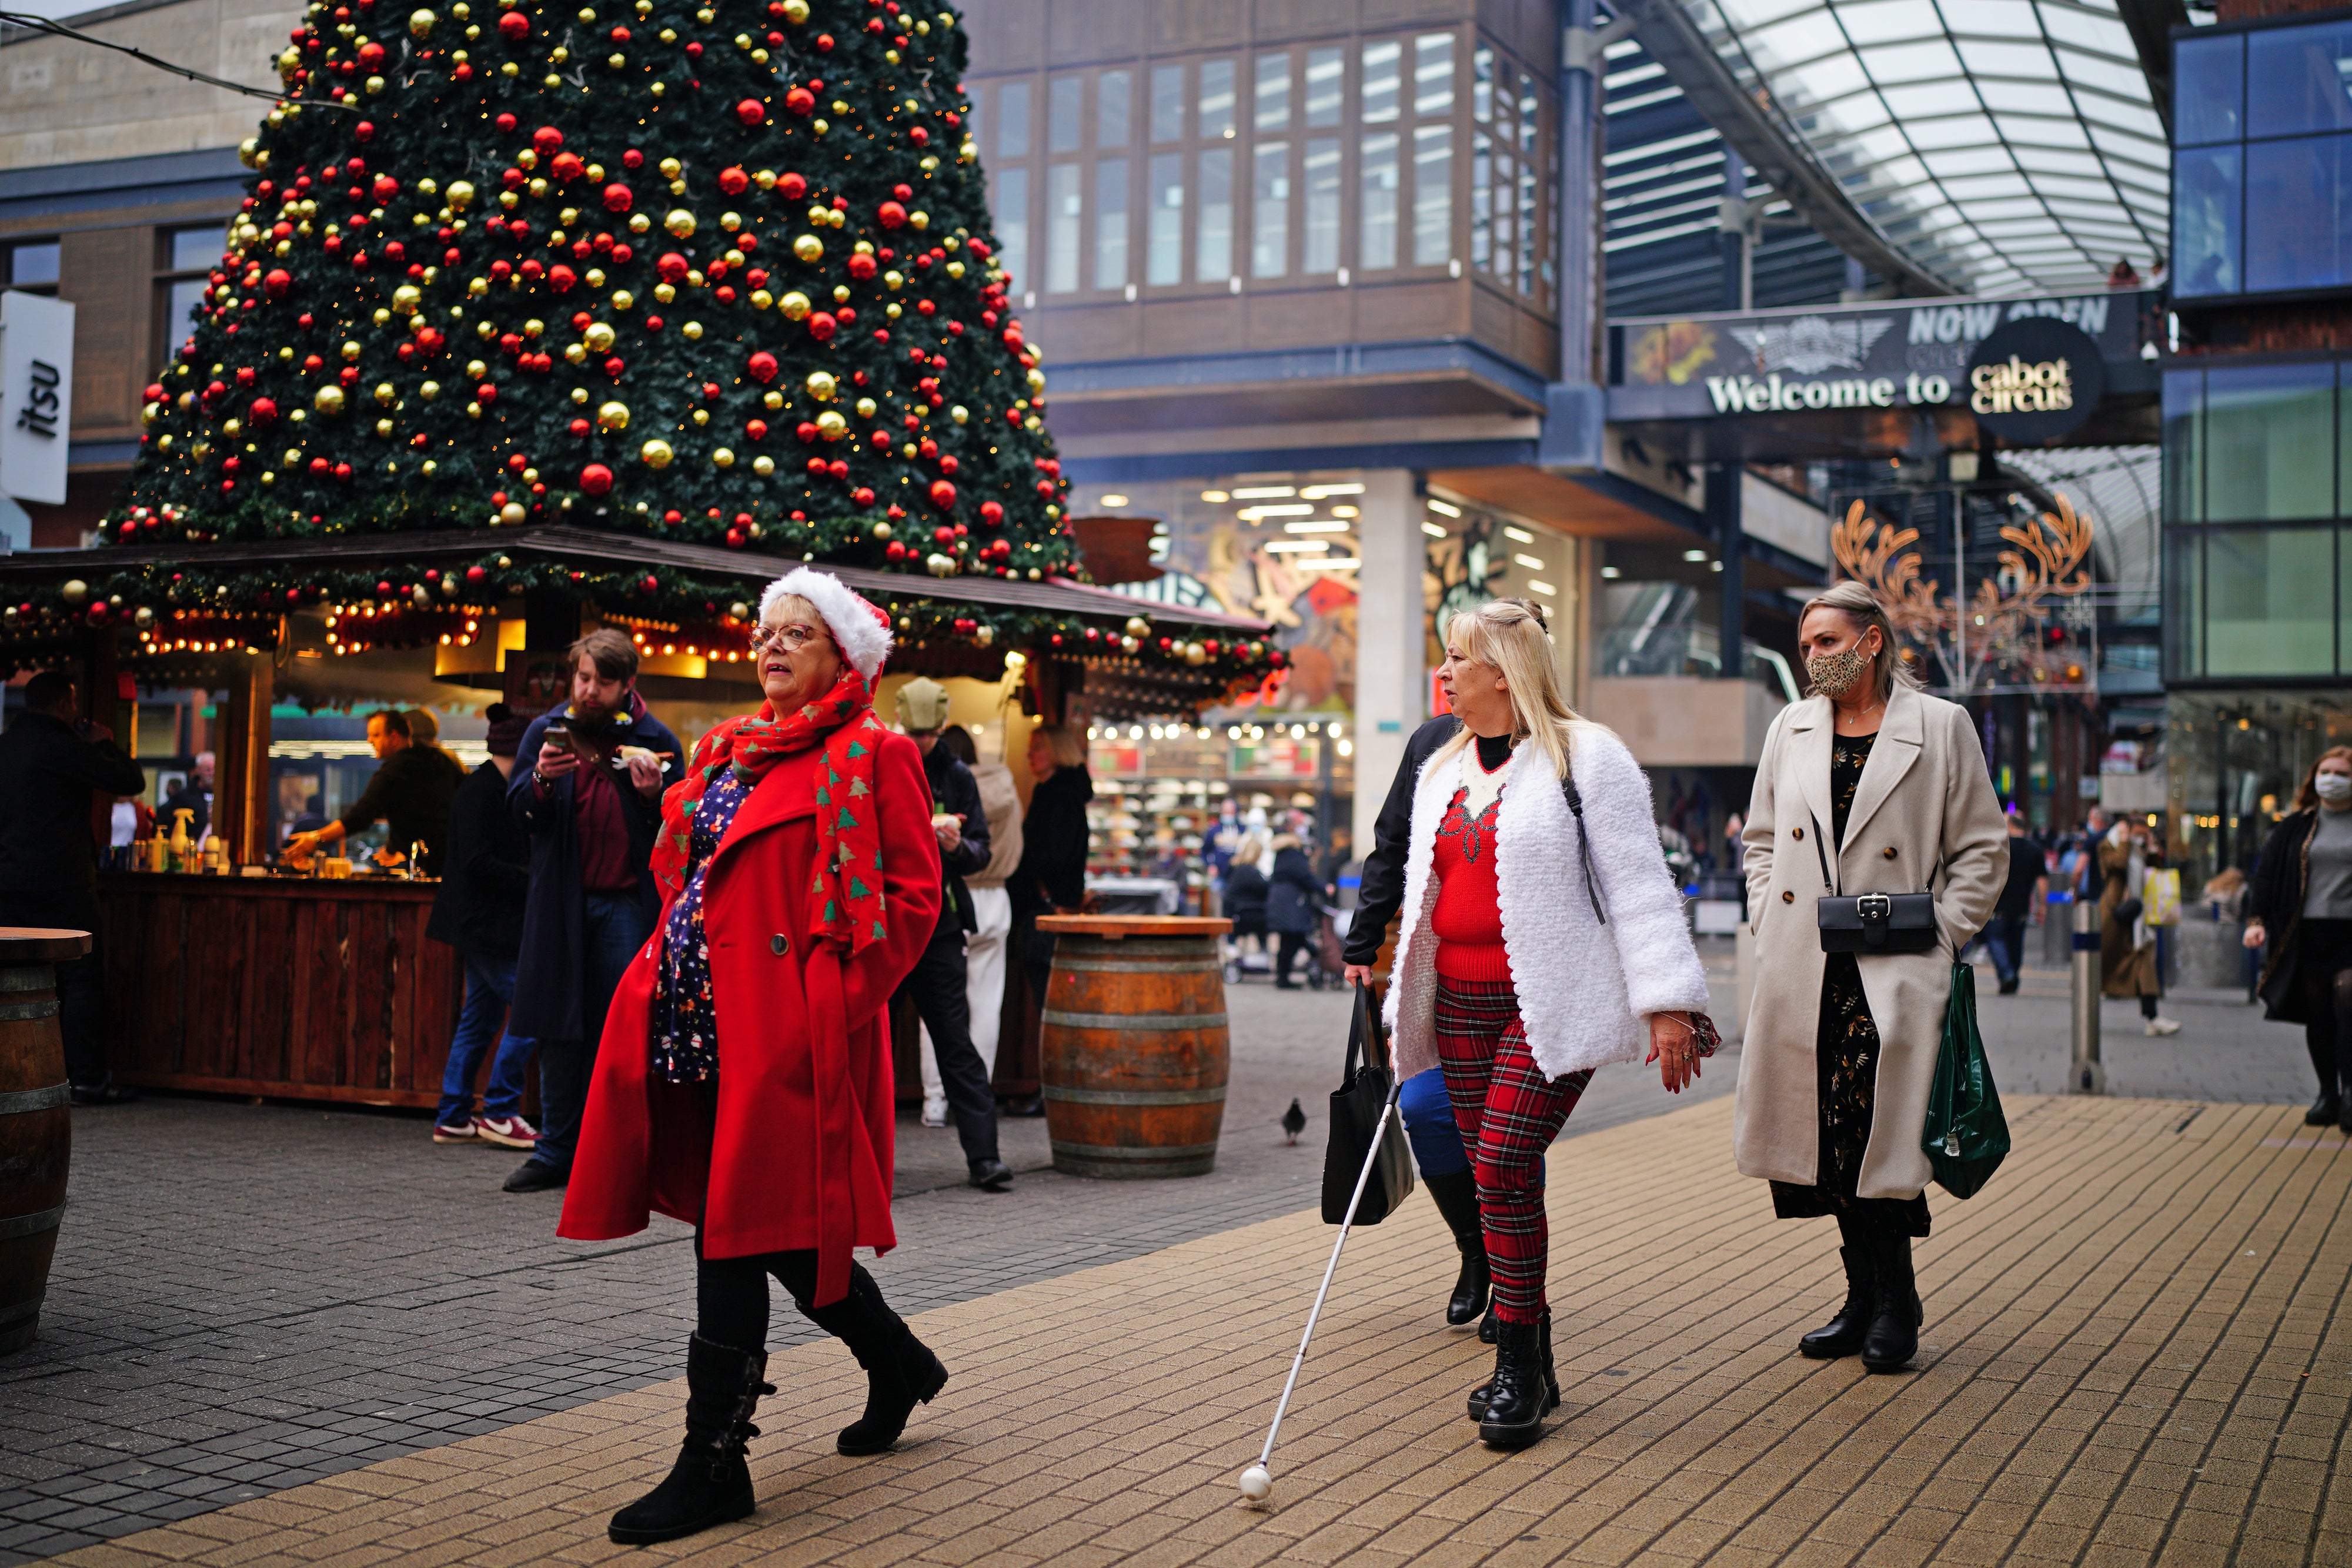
{"type": "Point", "coordinates": [1293, 898]}
{"type": "Point", "coordinates": [1053, 870]}
{"type": "Point", "coordinates": [954, 788]}
{"type": "Point", "coordinates": [486, 876]}
{"type": "Point", "coordinates": [549, 970]}
{"type": "Point", "coordinates": [48, 775]}
{"type": "Point", "coordinates": [1382, 892]}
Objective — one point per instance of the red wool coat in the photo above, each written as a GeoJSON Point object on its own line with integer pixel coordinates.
{"type": "Point", "coordinates": [800, 1155]}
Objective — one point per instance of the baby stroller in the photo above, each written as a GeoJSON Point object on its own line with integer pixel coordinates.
{"type": "Point", "coordinates": [1325, 965]}
{"type": "Point", "coordinates": [1248, 948]}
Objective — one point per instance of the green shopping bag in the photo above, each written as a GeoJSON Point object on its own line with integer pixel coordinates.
{"type": "Point", "coordinates": [1966, 1137]}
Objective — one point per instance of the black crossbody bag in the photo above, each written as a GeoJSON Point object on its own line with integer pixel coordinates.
{"type": "Point", "coordinates": [1872, 921]}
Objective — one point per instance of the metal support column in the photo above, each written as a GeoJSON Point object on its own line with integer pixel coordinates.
{"type": "Point", "coordinates": [2086, 1076]}
{"type": "Point", "coordinates": [1723, 516]}
{"type": "Point", "coordinates": [1575, 406]}
{"type": "Point", "coordinates": [1738, 291]}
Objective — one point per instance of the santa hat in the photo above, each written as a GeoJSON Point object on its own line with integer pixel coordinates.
{"type": "Point", "coordinates": [860, 630]}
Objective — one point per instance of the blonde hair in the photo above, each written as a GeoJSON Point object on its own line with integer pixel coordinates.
{"type": "Point", "coordinates": [2307, 798]}
{"type": "Point", "coordinates": [1063, 744]}
{"type": "Point", "coordinates": [1283, 842]}
{"type": "Point", "coordinates": [1860, 606]}
{"type": "Point", "coordinates": [1510, 636]}
{"type": "Point", "coordinates": [1248, 852]}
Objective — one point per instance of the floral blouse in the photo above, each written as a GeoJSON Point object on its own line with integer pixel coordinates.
{"type": "Point", "coordinates": [684, 1024]}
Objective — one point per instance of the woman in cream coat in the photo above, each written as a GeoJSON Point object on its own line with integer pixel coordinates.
{"type": "Point", "coordinates": [1841, 1049]}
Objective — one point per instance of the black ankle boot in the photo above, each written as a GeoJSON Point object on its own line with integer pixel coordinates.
{"type": "Point", "coordinates": [710, 1484]}
{"type": "Point", "coordinates": [1894, 1335]}
{"type": "Point", "coordinates": [1457, 1196]}
{"type": "Point", "coordinates": [2323, 1110]}
{"type": "Point", "coordinates": [1522, 1389]}
{"type": "Point", "coordinates": [1843, 1334]}
{"type": "Point", "coordinates": [900, 1371]}
{"type": "Point", "coordinates": [1492, 1333]}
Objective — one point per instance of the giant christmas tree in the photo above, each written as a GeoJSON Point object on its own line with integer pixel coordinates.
{"type": "Point", "coordinates": [718, 273]}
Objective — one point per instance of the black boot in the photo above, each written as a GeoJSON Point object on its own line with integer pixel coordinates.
{"type": "Point", "coordinates": [2328, 1106]}
{"type": "Point", "coordinates": [711, 1484]}
{"type": "Point", "coordinates": [1492, 1333]}
{"type": "Point", "coordinates": [1522, 1390]}
{"type": "Point", "coordinates": [2323, 1110]}
{"type": "Point", "coordinates": [900, 1371]}
{"type": "Point", "coordinates": [1894, 1335]}
{"type": "Point", "coordinates": [1843, 1334]}
{"type": "Point", "coordinates": [1457, 1196]}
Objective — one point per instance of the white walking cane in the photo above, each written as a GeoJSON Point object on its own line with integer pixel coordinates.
{"type": "Point", "coordinates": [1257, 1481]}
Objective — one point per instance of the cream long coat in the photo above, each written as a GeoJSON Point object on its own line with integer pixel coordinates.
{"type": "Point", "coordinates": [1925, 806]}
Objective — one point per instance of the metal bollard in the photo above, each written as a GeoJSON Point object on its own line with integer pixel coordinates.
{"type": "Point", "coordinates": [2085, 1075]}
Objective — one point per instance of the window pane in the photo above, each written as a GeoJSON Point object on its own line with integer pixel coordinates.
{"type": "Point", "coordinates": [1529, 226]}
{"type": "Point", "coordinates": [1213, 244]}
{"type": "Point", "coordinates": [1163, 259]}
{"type": "Point", "coordinates": [2270, 433]}
{"type": "Point", "coordinates": [1482, 200]}
{"type": "Point", "coordinates": [1273, 108]}
{"type": "Point", "coordinates": [179, 311]}
{"type": "Point", "coordinates": [2205, 227]}
{"type": "Point", "coordinates": [197, 250]}
{"type": "Point", "coordinates": [1065, 103]}
{"type": "Point", "coordinates": [1270, 216]}
{"type": "Point", "coordinates": [1433, 194]}
{"type": "Point", "coordinates": [2302, 72]}
{"type": "Point", "coordinates": [2208, 90]}
{"type": "Point", "coordinates": [1063, 210]}
{"type": "Point", "coordinates": [1506, 211]}
{"type": "Point", "coordinates": [1013, 120]}
{"type": "Point", "coordinates": [1322, 235]}
{"type": "Point", "coordinates": [1112, 125]}
{"type": "Point", "coordinates": [1482, 85]}
{"type": "Point", "coordinates": [1012, 223]}
{"type": "Point", "coordinates": [1110, 224]}
{"type": "Point", "coordinates": [37, 263]}
{"type": "Point", "coordinates": [2184, 446]}
{"type": "Point", "coordinates": [1432, 74]}
{"type": "Point", "coordinates": [1216, 100]}
{"type": "Point", "coordinates": [1382, 63]}
{"type": "Point", "coordinates": [2298, 212]}
{"type": "Point", "coordinates": [1324, 78]}
{"type": "Point", "coordinates": [1168, 103]}
{"type": "Point", "coordinates": [2184, 603]}
{"type": "Point", "coordinates": [1379, 248]}
{"type": "Point", "coordinates": [2270, 602]}
{"type": "Point", "coordinates": [2343, 603]}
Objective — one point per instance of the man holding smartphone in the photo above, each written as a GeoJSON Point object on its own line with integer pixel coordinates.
{"type": "Point", "coordinates": [590, 802]}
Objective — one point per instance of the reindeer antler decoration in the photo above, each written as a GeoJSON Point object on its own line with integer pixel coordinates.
{"type": "Point", "coordinates": [1889, 568]}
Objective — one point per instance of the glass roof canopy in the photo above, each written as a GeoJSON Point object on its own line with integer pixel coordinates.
{"type": "Point", "coordinates": [2009, 145]}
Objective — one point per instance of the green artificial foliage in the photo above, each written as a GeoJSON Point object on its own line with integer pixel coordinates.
{"type": "Point", "coordinates": [719, 274]}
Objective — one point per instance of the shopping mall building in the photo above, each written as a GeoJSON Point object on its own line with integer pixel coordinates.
{"type": "Point", "coordinates": [1375, 308]}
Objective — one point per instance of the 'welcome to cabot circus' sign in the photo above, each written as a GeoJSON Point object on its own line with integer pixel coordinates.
{"type": "Point", "coordinates": [1882, 356]}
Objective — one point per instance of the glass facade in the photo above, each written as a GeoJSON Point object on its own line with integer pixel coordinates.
{"type": "Point", "coordinates": [2257, 577]}
{"type": "Point", "coordinates": [2261, 199]}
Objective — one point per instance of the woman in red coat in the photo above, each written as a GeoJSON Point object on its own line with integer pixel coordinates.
{"type": "Point", "coordinates": [744, 1081]}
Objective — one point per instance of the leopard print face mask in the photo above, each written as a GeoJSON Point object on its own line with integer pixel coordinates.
{"type": "Point", "coordinates": [1837, 675]}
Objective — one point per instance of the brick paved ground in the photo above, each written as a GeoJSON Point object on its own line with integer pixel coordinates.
{"type": "Point", "coordinates": [2135, 1353]}
{"type": "Point", "coordinates": [248, 1299]}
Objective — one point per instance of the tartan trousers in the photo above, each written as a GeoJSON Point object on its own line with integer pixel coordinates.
{"type": "Point", "coordinates": [1509, 1112]}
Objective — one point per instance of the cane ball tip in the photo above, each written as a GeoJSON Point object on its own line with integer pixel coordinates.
{"type": "Point", "coordinates": [1256, 1483]}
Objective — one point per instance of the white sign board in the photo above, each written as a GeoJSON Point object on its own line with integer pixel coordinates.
{"type": "Point", "coordinates": [36, 396]}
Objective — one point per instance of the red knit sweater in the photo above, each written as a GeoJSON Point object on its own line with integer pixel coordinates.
{"type": "Point", "coordinates": [1468, 919]}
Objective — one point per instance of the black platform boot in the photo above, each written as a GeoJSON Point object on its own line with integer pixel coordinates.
{"type": "Point", "coordinates": [1894, 1335]}
{"type": "Point", "coordinates": [1482, 1395]}
{"type": "Point", "coordinates": [1457, 1196]}
{"type": "Point", "coordinates": [1522, 1390]}
{"type": "Point", "coordinates": [1843, 1334]}
{"type": "Point", "coordinates": [2323, 1110]}
{"type": "Point", "coordinates": [900, 1371]}
{"type": "Point", "coordinates": [711, 1484]}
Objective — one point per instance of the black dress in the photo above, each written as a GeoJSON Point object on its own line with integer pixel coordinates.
{"type": "Point", "coordinates": [1845, 1055]}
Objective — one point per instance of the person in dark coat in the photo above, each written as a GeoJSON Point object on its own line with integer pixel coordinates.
{"type": "Point", "coordinates": [937, 985]}
{"type": "Point", "coordinates": [2300, 904]}
{"type": "Point", "coordinates": [1245, 893]}
{"type": "Point", "coordinates": [410, 793]}
{"type": "Point", "coordinates": [1293, 900]}
{"type": "Point", "coordinates": [2013, 915]}
{"type": "Point", "coordinates": [1052, 875]}
{"type": "Point", "coordinates": [478, 911]}
{"type": "Point", "coordinates": [52, 764]}
{"type": "Point", "coordinates": [590, 803]}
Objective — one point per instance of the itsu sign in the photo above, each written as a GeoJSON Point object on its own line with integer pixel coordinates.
{"type": "Point", "coordinates": [36, 396]}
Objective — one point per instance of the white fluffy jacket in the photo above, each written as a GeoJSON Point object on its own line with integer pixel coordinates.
{"type": "Point", "coordinates": [1585, 989]}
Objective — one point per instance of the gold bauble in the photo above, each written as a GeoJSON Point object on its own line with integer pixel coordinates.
{"type": "Point", "coordinates": [598, 337]}
{"type": "Point", "coordinates": [657, 454]}
{"type": "Point", "coordinates": [461, 194]}
{"type": "Point", "coordinates": [383, 427]}
{"type": "Point", "coordinates": [820, 385]}
{"type": "Point", "coordinates": [75, 590]}
{"type": "Point", "coordinates": [512, 512]}
{"type": "Point", "coordinates": [407, 298]}
{"type": "Point", "coordinates": [796, 11]}
{"type": "Point", "coordinates": [420, 24]}
{"type": "Point", "coordinates": [866, 407]}
{"type": "Point", "coordinates": [722, 458]}
{"type": "Point", "coordinates": [330, 400]}
{"type": "Point", "coordinates": [679, 223]}
{"type": "Point", "coordinates": [1136, 626]}
{"type": "Point", "coordinates": [142, 618]}
{"type": "Point", "coordinates": [959, 413]}
{"type": "Point", "coordinates": [429, 391]}
{"type": "Point", "coordinates": [248, 152]}
{"type": "Point", "coordinates": [882, 530]}
{"type": "Point", "coordinates": [1195, 654]}
{"type": "Point", "coordinates": [764, 466]}
{"type": "Point", "coordinates": [613, 416]}
{"type": "Point", "coordinates": [795, 306]}
{"type": "Point", "coordinates": [983, 634]}
{"type": "Point", "coordinates": [691, 332]}
{"type": "Point", "coordinates": [831, 425]}
{"type": "Point", "coordinates": [808, 248]}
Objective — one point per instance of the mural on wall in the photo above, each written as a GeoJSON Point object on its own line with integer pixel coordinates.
{"type": "Point", "coordinates": [1463, 569]}
{"type": "Point", "coordinates": [1313, 612]}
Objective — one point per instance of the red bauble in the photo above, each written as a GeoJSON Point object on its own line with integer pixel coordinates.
{"type": "Point", "coordinates": [364, 131]}
{"type": "Point", "coordinates": [580, 427]}
{"type": "Point", "coordinates": [862, 496]}
{"type": "Point", "coordinates": [595, 479]}
{"type": "Point", "coordinates": [650, 585]}
{"type": "Point", "coordinates": [821, 327]}
{"type": "Point", "coordinates": [568, 166]}
{"type": "Point", "coordinates": [263, 411]}
{"type": "Point", "coordinates": [475, 574]}
{"type": "Point", "coordinates": [943, 495]}
{"type": "Point", "coordinates": [897, 551]}
{"type": "Point", "coordinates": [514, 27]}
{"type": "Point", "coordinates": [560, 279]}
{"type": "Point", "coordinates": [892, 215]}
{"type": "Point", "coordinates": [755, 429]}
{"type": "Point", "coordinates": [761, 367]}
{"type": "Point", "coordinates": [547, 139]}
{"type": "Point", "coordinates": [918, 136]}
{"type": "Point", "coordinates": [277, 283]}
{"type": "Point", "coordinates": [792, 187]}
{"type": "Point", "coordinates": [805, 431]}
{"type": "Point", "coordinates": [750, 111]}
{"type": "Point", "coordinates": [1013, 338]}
{"type": "Point", "coordinates": [734, 181]}
{"type": "Point", "coordinates": [505, 124]}
{"type": "Point", "coordinates": [948, 465]}
{"type": "Point", "coordinates": [671, 267]}
{"type": "Point", "coordinates": [991, 513]}
{"type": "Point", "coordinates": [385, 188]}
{"type": "Point", "coordinates": [862, 266]}
{"type": "Point", "coordinates": [904, 192]}
{"type": "Point", "coordinates": [800, 100]}
{"type": "Point", "coordinates": [370, 56]}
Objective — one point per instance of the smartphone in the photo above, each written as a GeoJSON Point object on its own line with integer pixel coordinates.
{"type": "Point", "coordinates": [558, 734]}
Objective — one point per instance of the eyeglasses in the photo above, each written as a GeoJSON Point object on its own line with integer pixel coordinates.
{"type": "Point", "coordinates": [792, 638]}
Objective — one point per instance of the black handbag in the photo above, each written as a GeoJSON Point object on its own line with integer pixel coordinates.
{"type": "Point", "coordinates": [1872, 921]}
{"type": "Point", "coordinates": [1358, 1108]}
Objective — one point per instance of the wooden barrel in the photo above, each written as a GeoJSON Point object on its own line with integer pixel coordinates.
{"type": "Point", "coordinates": [35, 1127]}
{"type": "Point", "coordinates": [1135, 1053]}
